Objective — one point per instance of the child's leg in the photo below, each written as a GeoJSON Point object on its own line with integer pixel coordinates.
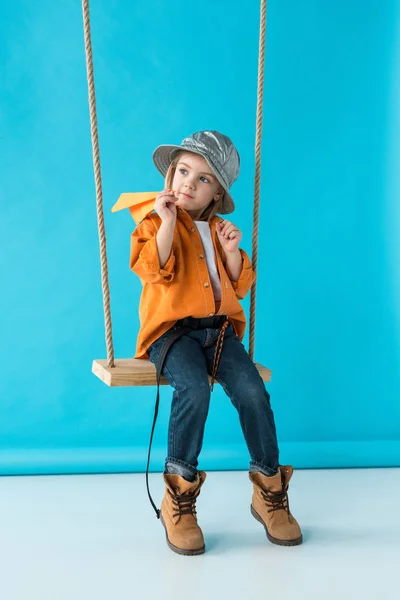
{"type": "Point", "coordinates": [243, 384]}
{"type": "Point", "coordinates": [185, 368]}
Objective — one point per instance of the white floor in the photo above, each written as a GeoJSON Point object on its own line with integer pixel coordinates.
{"type": "Point", "coordinates": [97, 537]}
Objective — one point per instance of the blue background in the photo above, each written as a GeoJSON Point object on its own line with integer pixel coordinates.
{"type": "Point", "coordinates": [328, 318]}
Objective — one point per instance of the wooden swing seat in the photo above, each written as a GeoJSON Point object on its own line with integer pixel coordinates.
{"type": "Point", "coordinates": [140, 372]}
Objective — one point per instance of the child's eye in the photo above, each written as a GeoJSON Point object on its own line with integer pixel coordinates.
{"type": "Point", "coordinates": [183, 171]}
{"type": "Point", "coordinates": [205, 179]}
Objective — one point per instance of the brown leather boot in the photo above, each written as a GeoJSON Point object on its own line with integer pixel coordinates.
{"type": "Point", "coordinates": [270, 506]}
{"type": "Point", "coordinates": [178, 514]}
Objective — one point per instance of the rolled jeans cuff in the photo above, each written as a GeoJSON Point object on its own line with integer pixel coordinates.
{"type": "Point", "coordinates": [258, 467]}
{"type": "Point", "coordinates": [180, 467]}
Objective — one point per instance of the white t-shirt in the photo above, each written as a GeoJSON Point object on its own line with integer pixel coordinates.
{"type": "Point", "coordinates": [203, 228]}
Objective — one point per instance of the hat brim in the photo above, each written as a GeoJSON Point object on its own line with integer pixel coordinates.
{"type": "Point", "coordinates": [164, 155]}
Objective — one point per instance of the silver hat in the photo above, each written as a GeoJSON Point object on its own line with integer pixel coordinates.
{"type": "Point", "coordinates": [219, 152]}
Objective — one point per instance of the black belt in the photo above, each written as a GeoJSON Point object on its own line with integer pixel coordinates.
{"type": "Point", "coordinates": [202, 322]}
{"type": "Point", "coordinates": [184, 326]}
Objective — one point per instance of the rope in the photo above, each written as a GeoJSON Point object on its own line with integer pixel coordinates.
{"type": "Point", "coordinates": [99, 190]}
{"type": "Point", "coordinates": [260, 95]}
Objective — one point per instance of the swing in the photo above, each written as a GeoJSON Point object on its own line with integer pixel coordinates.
{"type": "Point", "coordinates": [141, 372]}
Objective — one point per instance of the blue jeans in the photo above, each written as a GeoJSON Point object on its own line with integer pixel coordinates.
{"type": "Point", "coordinates": [187, 365]}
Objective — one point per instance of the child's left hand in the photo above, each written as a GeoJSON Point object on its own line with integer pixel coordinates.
{"type": "Point", "coordinates": [229, 236]}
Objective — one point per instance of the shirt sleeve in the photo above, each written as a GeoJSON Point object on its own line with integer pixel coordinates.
{"type": "Point", "coordinates": [246, 278]}
{"type": "Point", "coordinates": [144, 259]}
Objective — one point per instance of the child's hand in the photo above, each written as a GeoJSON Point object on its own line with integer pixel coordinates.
{"type": "Point", "coordinates": [165, 206]}
{"type": "Point", "coordinates": [229, 236]}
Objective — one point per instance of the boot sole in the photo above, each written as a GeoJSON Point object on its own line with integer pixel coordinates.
{"type": "Point", "coordinates": [272, 539]}
{"type": "Point", "coordinates": [183, 551]}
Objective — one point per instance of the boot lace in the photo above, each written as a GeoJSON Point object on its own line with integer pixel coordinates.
{"type": "Point", "coordinates": [276, 500]}
{"type": "Point", "coordinates": [184, 504]}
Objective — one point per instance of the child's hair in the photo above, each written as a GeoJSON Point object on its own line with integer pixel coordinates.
{"type": "Point", "coordinates": [212, 209]}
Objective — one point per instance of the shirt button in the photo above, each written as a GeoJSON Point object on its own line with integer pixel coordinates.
{"type": "Point", "coordinates": [201, 255]}
{"type": "Point", "coordinates": [206, 285]}
{"type": "Point", "coordinates": [192, 229]}
{"type": "Point", "coordinates": [211, 315]}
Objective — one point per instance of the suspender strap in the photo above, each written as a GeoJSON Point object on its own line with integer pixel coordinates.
{"type": "Point", "coordinates": [170, 339]}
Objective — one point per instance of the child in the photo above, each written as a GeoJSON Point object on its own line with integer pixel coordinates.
{"type": "Point", "coordinates": [192, 324]}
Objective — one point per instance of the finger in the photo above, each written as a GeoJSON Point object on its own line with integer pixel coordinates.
{"type": "Point", "coordinates": [229, 229]}
{"type": "Point", "coordinates": [226, 225]}
{"type": "Point", "coordinates": [167, 198]}
{"type": "Point", "coordinates": [236, 233]}
{"type": "Point", "coordinates": [166, 203]}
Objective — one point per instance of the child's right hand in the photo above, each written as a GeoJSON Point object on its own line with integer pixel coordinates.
{"type": "Point", "coordinates": [165, 206]}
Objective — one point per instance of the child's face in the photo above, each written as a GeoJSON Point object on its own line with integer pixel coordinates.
{"type": "Point", "coordinates": [195, 184]}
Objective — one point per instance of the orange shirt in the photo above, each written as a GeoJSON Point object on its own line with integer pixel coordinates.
{"type": "Point", "coordinates": [183, 287]}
